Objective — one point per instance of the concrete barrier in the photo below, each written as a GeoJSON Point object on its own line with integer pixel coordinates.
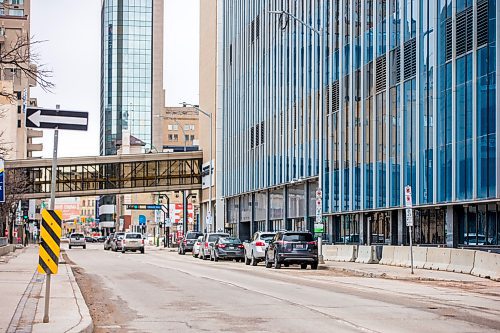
{"type": "Point", "coordinates": [461, 261]}
{"type": "Point", "coordinates": [419, 256]}
{"type": "Point", "coordinates": [438, 258]}
{"type": "Point", "coordinates": [367, 255]}
{"type": "Point", "coordinates": [402, 256]}
{"type": "Point", "coordinates": [347, 253]}
{"type": "Point", "coordinates": [330, 252]}
{"type": "Point", "coordinates": [7, 249]}
{"type": "Point", "coordinates": [487, 265]}
{"type": "Point", "coordinates": [387, 255]}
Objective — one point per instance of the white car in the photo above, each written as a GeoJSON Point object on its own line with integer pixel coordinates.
{"type": "Point", "coordinates": [196, 246]}
{"type": "Point", "coordinates": [255, 249]}
{"type": "Point", "coordinates": [77, 239]}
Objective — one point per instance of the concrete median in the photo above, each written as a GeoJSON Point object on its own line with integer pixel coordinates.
{"type": "Point", "coordinates": [438, 258]}
{"type": "Point", "coordinates": [387, 255]}
{"type": "Point", "coordinates": [487, 265]}
{"type": "Point", "coordinates": [340, 252]}
{"type": "Point", "coordinates": [461, 261]}
{"type": "Point", "coordinates": [367, 255]}
{"type": "Point", "coordinates": [330, 252]}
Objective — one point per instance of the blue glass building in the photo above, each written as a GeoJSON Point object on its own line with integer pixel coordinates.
{"type": "Point", "coordinates": [409, 97]}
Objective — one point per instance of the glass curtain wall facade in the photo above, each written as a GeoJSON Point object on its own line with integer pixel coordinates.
{"type": "Point", "coordinates": [409, 98]}
{"type": "Point", "coordinates": [126, 71]}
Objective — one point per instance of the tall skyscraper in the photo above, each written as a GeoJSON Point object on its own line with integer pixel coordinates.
{"type": "Point", "coordinates": [409, 98]}
{"type": "Point", "coordinates": [132, 93]}
{"type": "Point", "coordinates": [131, 70]}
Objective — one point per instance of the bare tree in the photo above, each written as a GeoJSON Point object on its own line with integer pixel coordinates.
{"type": "Point", "coordinates": [18, 184]}
{"type": "Point", "coordinates": [4, 148]}
{"type": "Point", "coordinates": [21, 57]}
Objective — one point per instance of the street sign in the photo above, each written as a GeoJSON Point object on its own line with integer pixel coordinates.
{"type": "Point", "coordinates": [143, 207]}
{"type": "Point", "coordinates": [2, 181]}
{"type": "Point", "coordinates": [319, 228]}
{"type": "Point", "coordinates": [408, 200]}
{"type": "Point", "coordinates": [209, 218]}
{"type": "Point", "coordinates": [52, 118]}
{"type": "Point", "coordinates": [409, 217]}
{"type": "Point", "coordinates": [50, 244]}
{"type": "Point", "coordinates": [168, 222]}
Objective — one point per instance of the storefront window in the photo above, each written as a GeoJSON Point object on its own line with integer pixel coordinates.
{"type": "Point", "coordinates": [346, 229]}
{"type": "Point", "coordinates": [379, 228]}
{"type": "Point", "coordinates": [429, 226]}
{"type": "Point", "coordinates": [479, 225]}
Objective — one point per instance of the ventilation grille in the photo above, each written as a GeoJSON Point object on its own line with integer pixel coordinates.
{"type": "Point", "coordinates": [396, 66]}
{"type": "Point", "coordinates": [449, 39]}
{"type": "Point", "coordinates": [381, 73]}
{"type": "Point", "coordinates": [335, 96]}
{"type": "Point", "coordinates": [251, 138]}
{"type": "Point", "coordinates": [464, 31]}
{"type": "Point", "coordinates": [410, 61]}
{"type": "Point", "coordinates": [257, 27]}
{"type": "Point", "coordinates": [257, 135]}
{"type": "Point", "coordinates": [252, 32]}
{"type": "Point", "coordinates": [482, 23]}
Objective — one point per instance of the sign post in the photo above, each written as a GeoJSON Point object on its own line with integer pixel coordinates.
{"type": "Point", "coordinates": [409, 220]}
{"type": "Point", "coordinates": [55, 119]}
{"type": "Point", "coordinates": [318, 225]}
{"type": "Point", "coordinates": [2, 181]}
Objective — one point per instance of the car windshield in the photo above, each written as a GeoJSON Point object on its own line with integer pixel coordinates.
{"type": "Point", "coordinates": [214, 237]}
{"type": "Point", "coordinates": [267, 237]}
{"type": "Point", "coordinates": [192, 235]}
{"type": "Point", "coordinates": [297, 237]}
{"type": "Point", "coordinates": [133, 236]}
{"type": "Point", "coordinates": [230, 240]}
{"type": "Point", "coordinates": [76, 235]}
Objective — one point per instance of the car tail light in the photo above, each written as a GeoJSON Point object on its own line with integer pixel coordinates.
{"type": "Point", "coordinates": [221, 246]}
{"type": "Point", "coordinates": [206, 245]}
{"type": "Point", "coordinates": [260, 243]}
{"type": "Point", "coordinates": [312, 243]}
{"type": "Point", "coordinates": [185, 241]}
{"type": "Point", "coordinates": [142, 241]}
{"type": "Point", "coordinates": [197, 243]}
{"type": "Point", "coordinates": [240, 246]}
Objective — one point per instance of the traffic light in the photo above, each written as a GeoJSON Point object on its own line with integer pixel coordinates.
{"type": "Point", "coordinates": [25, 209]}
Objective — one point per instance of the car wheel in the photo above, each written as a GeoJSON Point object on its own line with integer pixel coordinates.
{"type": "Point", "coordinates": [212, 256]}
{"type": "Point", "coordinates": [253, 260]}
{"type": "Point", "coordinates": [303, 266]}
{"type": "Point", "coordinates": [142, 250]}
{"type": "Point", "coordinates": [195, 255]}
{"type": "Point", "coordinates": [268, 264]}
{"type": "Point", "coordinates": [276, 263]}
{"type": "Point", "coordinates": [123, 251]}
{"type": "Point", "coordinates": [85, 247]}
{"type": "Point", "coordinates": [70, 247]}
{"type": "Point", "coordinates": [247, 261]}
{"type": "Point", "coordinates": [287, 265]}
{"type": "Point", "coordinates": [204, 257]}
{"type": "Point", "coordinates": [314, 265]}
{"type": "Point", "coordinates": [216, 258]}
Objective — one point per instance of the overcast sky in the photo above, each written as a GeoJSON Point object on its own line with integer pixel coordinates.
{"type": "Point", "coordinates": [71, 29]}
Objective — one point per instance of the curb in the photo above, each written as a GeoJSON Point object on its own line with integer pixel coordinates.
{"type": "Point", "coordinates": [360, 273]}
{"type": "Point", "coordinates": [86, 325]}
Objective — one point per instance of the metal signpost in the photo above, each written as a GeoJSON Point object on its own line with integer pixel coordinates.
{"type": "Point", "coordinates": [409, 220]}
{"type": "Point", "coordinates": [54, 119]}
{"type": "Point", "coordinates": [2, 181]}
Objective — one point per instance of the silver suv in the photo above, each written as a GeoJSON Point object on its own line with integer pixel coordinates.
{"type": "Point", "coordinates": [77, 239]}
{"type": "Point", "coordinates": [207, 243]}
{"type": "Point", "coordinates": [132, 241]}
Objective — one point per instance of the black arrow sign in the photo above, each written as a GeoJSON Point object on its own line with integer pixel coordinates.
{"type": "Point", "coordinates": [65, 120]}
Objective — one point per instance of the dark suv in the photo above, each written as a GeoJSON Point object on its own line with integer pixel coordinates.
{"type": "Point", "coordinates": [292, 248]}
{"type": "Point", "coordinates": [187, 243]}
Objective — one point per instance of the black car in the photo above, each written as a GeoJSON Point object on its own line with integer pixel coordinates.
{"type": "Point", "coordinates": [90, 239]}
{"type": "Point", "coordinates": [101, 239]}
{"type": "Point", "coordinates": [292, 248]}
{"type": "Point", "coordinates": [228, 248]}
{"type": "Point", "coordinates": [187, 243]}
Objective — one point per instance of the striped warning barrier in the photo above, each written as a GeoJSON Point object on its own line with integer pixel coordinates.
{"type": "Point", "coordinates": [49, 250]}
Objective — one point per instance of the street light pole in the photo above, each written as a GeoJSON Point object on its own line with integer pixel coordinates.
{"type": "Point", "coordinates": [319, 195]}
{"type": "Point", "coordinates": [209, 115]}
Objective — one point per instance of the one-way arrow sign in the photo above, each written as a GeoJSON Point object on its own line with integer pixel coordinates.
{"type": "Point", "coordinates": [64, 120]}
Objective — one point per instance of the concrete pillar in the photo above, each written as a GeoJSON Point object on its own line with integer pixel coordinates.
{"type": "Point", "coordinates": [451, 227]}
{"type": "Point", "coordinates": [401, 226]}
{"type": "Point", "coordinates": [362, 229]}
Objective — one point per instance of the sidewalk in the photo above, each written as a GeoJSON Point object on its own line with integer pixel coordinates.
{"type": "Point", "coordinates": [399, 273]}
{"type": "Point", "coordinates": [22, 292]}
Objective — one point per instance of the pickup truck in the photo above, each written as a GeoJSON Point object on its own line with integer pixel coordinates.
{"type": "Point", "coordinates": [255, 249]}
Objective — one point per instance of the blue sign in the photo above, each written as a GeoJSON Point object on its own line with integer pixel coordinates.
{"type": "Point", "coordinates": [142, 220]}
{"type": "Point", "coordinates": [2, 182]}
{"type": "Point", "coordinates": [153, 207]}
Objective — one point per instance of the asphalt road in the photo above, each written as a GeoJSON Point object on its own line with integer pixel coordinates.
{"type": "Point", "coordinates": [161, 291]}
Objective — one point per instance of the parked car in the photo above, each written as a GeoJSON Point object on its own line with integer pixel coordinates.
{"type": "Point", "coordinates": [208, 240]}
{"type": "Point", "coordinates": [101, 239]}
{"type": "Point", "coordinates": [132, 241]}
{"type": "Point", "coordinates": [255, 249]}
{"type": "Point", "coordinates": [90, 239]}
{"type": "Point", "coordinates": [107, 242]}
{"type": "Point", "coordinates": [228, 248]}
{"type": "Point", "coordinates": [77, 239]}
{"type": "Point", "coordinates": [186, 243]}
{"type": "Point", "coordinates": [196, 246]}
{"type": "Point", "coordinates": [292, 247]}
{"type": "Point", "coordinates": [115, 242]}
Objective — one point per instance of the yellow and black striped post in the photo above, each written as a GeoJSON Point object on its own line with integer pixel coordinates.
{"type": "Point", "coordinates": [50, 242]}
